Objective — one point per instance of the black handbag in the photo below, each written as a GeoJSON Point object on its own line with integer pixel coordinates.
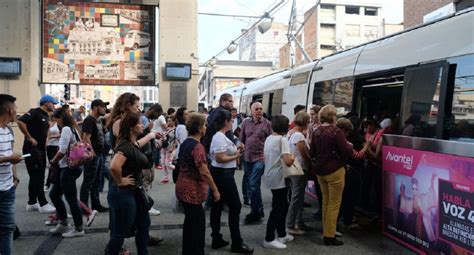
{"type": "Point", "coordinates": [144, 199]}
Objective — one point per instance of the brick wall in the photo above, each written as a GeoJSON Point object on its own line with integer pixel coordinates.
{"type": "Point", "coordinates": [414, 10]}
{"type": "Point", "coordinates": [309, 30]}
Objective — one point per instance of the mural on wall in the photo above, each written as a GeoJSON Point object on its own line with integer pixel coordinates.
{"type": "Point", "coordinates": [97, 43]}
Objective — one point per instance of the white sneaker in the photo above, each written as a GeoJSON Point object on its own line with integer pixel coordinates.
{"type": "Point", "coordinates": [338, 234]}
{"type": "Point", "coordinates": [275, 244]}
{"type": "Point", "coordinates": [47, 208]}
{"type": "Point", "coordinates": [91, 218]}
{"type": "Point", "coordinates": [73, 233]}
{"type": "Point", "coordinates": [287, 238]}
{"type": "Point", "coordinates": [32, 208]}
{"type": "Point", "coordinates": [154, 212]}
{"type": "Point", "coordinates": [60, 229]}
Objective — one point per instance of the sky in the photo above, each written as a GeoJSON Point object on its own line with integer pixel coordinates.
{"type": "Point", "coordinates": [215, 33]}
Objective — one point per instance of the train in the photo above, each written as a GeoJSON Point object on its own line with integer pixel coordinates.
{"type": "Point", "coordinates": [426, 70]}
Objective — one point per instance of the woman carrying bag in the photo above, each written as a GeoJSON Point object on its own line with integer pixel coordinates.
{"type": "Point", "coordinates": [277, 152]}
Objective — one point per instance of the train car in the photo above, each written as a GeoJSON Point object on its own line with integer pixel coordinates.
{"type": "Point", "coordinates": [427, 70]}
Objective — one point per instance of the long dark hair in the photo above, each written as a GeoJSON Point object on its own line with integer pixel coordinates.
{"type": "Point", "coordinates": [128, 121]}
{"type": "Point", "coordinates": [180, 115]}
{"type": "Point", "coordinates": [121, 106]}
{"type": "Point", "coordinates": [67, 119]}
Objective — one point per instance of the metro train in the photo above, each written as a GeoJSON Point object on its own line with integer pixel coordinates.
{"type": "Point", "coordinates": [426, 70]}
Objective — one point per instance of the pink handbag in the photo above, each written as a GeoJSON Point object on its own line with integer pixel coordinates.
{"type": "Point", "coordinates": [79, 153]}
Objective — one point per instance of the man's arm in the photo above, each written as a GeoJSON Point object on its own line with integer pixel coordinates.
{"type": "Point", "coordinates": [24, 130]}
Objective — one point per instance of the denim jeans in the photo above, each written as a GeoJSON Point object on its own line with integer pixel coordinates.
{"type": "Point", "coordinates": [90, 184]}
{"type": "Point", "coordinates": [67, 186]}
{"type": "Point", "coordinates": [105, 172]}
{"type": "Point", "coordinates": [254, 171]}
{"type": "Point", "coordinates": [126, 216]}
{"type": "Point", "coordinates": [295, 211]}
{"type": "Point", "coordinates": [225, 182]}
{"type": "Point", "coordinates": [7, 220]}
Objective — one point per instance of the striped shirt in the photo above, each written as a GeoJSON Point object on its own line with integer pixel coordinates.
{"type": "Point", "coordinates": [6, 149]}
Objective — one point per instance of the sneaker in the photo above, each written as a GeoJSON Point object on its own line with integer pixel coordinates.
{"type": "Point", "coordinates": [287, 238]}
{"type": "Point", "coordinates": [165, 179]}
{"type": "Point", "coordinates": [60, 229]}
{"type": "Point", "coordinates": [91, 217]}
{"type": "Point", "coordinates": [32, 208]}
{"type": "Point", "coordinates": [154, 241]}
{"type": "Point", "coordinates": [52, 220]}
{"type": "Point", "coordinates": [338, 234]}
{"type": "Point", "coordinates": [275, 244]}
{"type": "Point", "coordinates": [296, 231]}
{"type": "Point", "coordinates": [74, 233]}
{"type": "Point", "coordinates": [304, 227]}
{"type": "Point", "coordinates": [47, 208]}
{"type": "Point", "coordinates": [154, 212]}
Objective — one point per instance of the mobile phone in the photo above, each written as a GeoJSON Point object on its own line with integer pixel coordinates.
{"type": "Point", "coordinates": [26, 155]}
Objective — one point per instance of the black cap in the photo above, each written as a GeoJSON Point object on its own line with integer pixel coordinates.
{"type": "Point", "coordinates": [99, 102]}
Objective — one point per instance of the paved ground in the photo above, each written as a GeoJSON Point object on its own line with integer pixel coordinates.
{"type": "Point", "coordinates": [36, 239]}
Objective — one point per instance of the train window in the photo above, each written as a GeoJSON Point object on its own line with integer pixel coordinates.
{"type": "Point", "coordinates": [343, 96]}
{"type": "Point", "coordinates": [462, 118]}
{"type": "Point", "coordinates": [421, 100]}
{"type": "Point", "coordinates": [322, 94]}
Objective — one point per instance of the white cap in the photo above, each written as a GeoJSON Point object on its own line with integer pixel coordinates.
{"type": "Point", "coordinates": [386, 123]}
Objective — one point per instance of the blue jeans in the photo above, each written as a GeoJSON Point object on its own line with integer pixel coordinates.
{"type": "Point", "coordinates": [157, 156]}
{"type": "Point", "coordinates": [127, 217]}
{"type": "Point", "coordinates": [7, 220]}
{"type": "Point", "coordinates": [67, 186]}
{"type": "Point", "coordinates": [90, 184]}
{"type": "Point", "coordinates": [105, 172]}
{"type": "Point", "coordinates": [254, 171]}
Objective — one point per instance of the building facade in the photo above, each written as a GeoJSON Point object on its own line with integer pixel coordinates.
{"type": "Point", "coordinates": [255, 46]}
{"type": "Point", "coordinates": [416, 12]}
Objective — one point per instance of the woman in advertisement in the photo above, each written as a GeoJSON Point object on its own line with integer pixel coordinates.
{"type": "Point", "coordinates": [422, 204]}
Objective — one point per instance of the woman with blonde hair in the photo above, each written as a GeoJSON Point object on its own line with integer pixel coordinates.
{"type": "Point", "coordinates": [330, 149]}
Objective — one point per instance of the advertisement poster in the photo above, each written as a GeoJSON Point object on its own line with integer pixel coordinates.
{"type": "Point", "coordinates": [429, 200]}
{"type": "Point", "coordinates": [97, 43]}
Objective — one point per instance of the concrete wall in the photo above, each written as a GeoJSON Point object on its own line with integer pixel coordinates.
{"type": "Point", "coordinates": [178, 43]}
{"type": "Point", "coordinates": [414, 10]}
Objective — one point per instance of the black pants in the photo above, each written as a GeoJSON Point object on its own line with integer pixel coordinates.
{"type": "Point", "coordinates": [194, 229]}
{"type": "Point", "coordinates": [51, 151]}
{"type": "Point", "coordinates": [350, 195]}
{"type": "Point", "coordinates": [319, 194]}
{"type": "Point", "coordinates": [36, 167]}
{"type": "Point", "coordinates": [225, 182]}
{"type": "Point", "coordinates": [277, 219]}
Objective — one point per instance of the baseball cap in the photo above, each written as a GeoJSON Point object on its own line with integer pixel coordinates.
{"type": "Point", "coordinates": [98, 102]}
{"type": "Point", "coordinates": [48, 99]}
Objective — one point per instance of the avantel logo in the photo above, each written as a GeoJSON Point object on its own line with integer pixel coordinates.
{"type": "Point", "coordinates": [407, 161]}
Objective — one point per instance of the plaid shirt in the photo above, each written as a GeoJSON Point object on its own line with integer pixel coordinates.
{"type": "Point", "coordinates": [253, 135]}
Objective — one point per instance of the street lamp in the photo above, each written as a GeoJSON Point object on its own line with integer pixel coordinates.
{"type": "Point", "coordinates": [232, 47]}
{"type": "Point", "coordinates": [266, 24]}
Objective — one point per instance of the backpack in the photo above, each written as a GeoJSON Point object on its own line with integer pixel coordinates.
{"type": "Point", "coordinates": [79, 153]}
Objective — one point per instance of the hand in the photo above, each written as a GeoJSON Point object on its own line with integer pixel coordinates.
{"type": "Point", "coordinates": [127, 181]}
{"type": "Point", "coordinates": [14, 158]}
{"type": "Point", "coordinates": [237, 155]}
{"type": "Point", "coordinates": [16, 181]}
{"type": "Point", "coordinates": [33, 142]}
{"type": "Point", "coordinates": [158, 135]}
{"type": "Point", "coordinates": [217, 196]}
{"type": "Point", "coordinates": [150, 125]}
{"type": "Point", "coordinates": [241, 147]}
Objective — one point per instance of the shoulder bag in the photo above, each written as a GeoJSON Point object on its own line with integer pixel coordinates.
{"type": "Point", "coordinates": [288, 171]}
{"type": "Point", "coordinates": [79, 153]}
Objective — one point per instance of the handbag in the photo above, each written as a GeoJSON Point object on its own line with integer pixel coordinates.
{"type": "Point", "coordinates": [79, 153]}
{"type": "Point", "coordinates": [144, 199]}
{"type": "Point", "coordinates": [288, 171]}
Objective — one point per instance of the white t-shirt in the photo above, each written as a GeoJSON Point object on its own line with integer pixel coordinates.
{"type": "Point", "coordinates": [54, 132]}
{"type": "Point", "coordinates": [158, 124]}
{"type": "Point", "coordinates": [293, 140]}
{"type": "Point", "coordinates": [273, 175]}
{"type": "Point", "coordinates": [67, 138]}
{"type": "Point", "coordinates": [220, 143]}
{"type": "Point", "coordinates": [235, 124]}
{"type": "Point", "coordinates": [6, 149]}
{"type": "Point", "coordinates": [181, 135]}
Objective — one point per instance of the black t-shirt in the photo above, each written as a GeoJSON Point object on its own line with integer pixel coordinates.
{"type": "Point", "coordinates": [136, 160]}
{"type": "Point", "coordinates": [94, 127]}
{"type": "Point", "coordinates": [37, 123]}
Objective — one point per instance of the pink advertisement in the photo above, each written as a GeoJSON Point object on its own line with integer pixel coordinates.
{"type": "Point", "coordinates": [429, 200]}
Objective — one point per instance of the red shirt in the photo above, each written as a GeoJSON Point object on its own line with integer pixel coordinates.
{"type": "Point", "coordinates": [253, 136]}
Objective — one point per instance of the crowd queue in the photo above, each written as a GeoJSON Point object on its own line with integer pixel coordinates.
{"type": "Point", "coordinates": [200, 153]}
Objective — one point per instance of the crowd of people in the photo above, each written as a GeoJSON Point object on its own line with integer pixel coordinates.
{"type": "Point", "coordinates": [200, 153]}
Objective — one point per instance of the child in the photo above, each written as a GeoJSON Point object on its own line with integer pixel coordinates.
{"type": "Point", "coordinates": [167, 151]}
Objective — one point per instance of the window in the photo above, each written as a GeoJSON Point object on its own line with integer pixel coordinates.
{"type": "Point", "coordinates": [462, 118]}
{"type": "Point", "coordinates": [328, 34]}
{"type": "Point", "coordinates": [322, 94]}
{"type": "Point", "coordinates": [343, 96]}
{"type": "Point", "coordinates": [370, 11]}
{"type": "Point", "coordinates": [352, 10]}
